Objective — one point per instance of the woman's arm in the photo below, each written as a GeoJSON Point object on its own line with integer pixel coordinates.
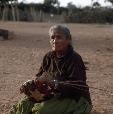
{"type": "Point", "coordinates": [75, 86]}
{"type": "Point", "coordinates": [44, 65]}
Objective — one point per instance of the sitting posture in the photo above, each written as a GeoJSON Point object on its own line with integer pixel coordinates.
{"type": "Point", "coordinates": [60, 85]}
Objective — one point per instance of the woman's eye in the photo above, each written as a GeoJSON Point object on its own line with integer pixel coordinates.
{"type": "Point", "coordinates": [58, 37]}
{"type": "Point", "coordinates": [52, 37]}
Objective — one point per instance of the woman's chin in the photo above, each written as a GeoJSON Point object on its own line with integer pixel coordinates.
{"type": "Point", "coordinates": [56, 50]}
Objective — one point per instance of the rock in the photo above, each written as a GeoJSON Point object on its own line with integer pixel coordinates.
{"type": "Point", "coordinates": [1, 38]}
{"type": "Point", "coordinates": [5, 34]}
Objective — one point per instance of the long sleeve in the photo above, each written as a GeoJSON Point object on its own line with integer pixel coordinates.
{"type": "Point", "coordinates": [44, 65]}
{"type": "Point", "coordinates": [76, 69]}
{"type": "Point", "coordinates": [76, 86]}
{"type": "Point", "coordinates": [71, 69]}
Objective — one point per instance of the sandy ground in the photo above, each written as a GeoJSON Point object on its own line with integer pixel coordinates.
{"type": "Point", "coordinates": [20, 59]}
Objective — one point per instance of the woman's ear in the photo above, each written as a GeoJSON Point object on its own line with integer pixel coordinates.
{"type": "Point", "coordinates": [70, 42]}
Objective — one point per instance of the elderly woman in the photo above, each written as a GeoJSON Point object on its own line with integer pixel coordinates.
{"type": "Point", "coordinates": [64, 70]}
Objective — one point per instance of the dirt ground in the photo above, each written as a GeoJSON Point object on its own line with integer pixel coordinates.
{"type": "Point", "coordinates": [21, 56]}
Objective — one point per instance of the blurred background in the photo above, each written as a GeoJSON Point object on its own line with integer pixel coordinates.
{"type": "Point", "coordinates": [74, 11]}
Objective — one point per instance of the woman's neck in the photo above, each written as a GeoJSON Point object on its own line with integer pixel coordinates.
{"type": "Point", "coordinates": [61, 54]}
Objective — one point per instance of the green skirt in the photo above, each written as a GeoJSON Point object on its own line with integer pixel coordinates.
{"type": "Point", "coordinates": [52, 106]}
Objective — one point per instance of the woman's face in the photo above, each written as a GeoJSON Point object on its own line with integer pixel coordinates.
{"type": "Point", "coordinates": [58, 41]}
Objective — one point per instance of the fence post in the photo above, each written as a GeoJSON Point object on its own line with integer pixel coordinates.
{"type": "Point", "coordinates": [5, 13]}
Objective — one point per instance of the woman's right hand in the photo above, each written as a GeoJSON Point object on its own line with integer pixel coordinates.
{"type": "Point", "coordinates": [44, 85]}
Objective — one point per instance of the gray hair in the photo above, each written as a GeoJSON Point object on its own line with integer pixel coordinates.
{"type": "Point", "coordinates": [60, 29]}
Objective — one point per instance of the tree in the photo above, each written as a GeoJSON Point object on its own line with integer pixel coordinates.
{"type": "Point", "coordinates": [4, 10]}
{"type": "Point", "coordinates": [71, 11]}
{"type": "Point", "coordinates": [111, 1]}
{"type": "Point", "coordinates": [96, 4]}
{"type": "Point", "coordinates": [14, 8]}
{"type": "Point", "coordinates": [71, 8]}
{"type": "Point", "coordinates": [5, 4]}
{"type": "Point", "coordinates": [51, 6]}
{"type": "Point", "coordinates": [51, 2]}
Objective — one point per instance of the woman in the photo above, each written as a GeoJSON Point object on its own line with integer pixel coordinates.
{"type": "Point", "coordinates": [65, 70]}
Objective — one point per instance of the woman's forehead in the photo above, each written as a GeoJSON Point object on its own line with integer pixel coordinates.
{"type": "Point", "coordinates": [57, 32]}
{"type": "Point", "coordinates": [58, 29]}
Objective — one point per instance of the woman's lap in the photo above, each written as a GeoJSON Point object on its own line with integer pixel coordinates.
{"type": "Point", "coordinates": [52, 106]}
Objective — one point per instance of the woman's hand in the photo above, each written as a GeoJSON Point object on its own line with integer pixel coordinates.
{"type": "Point", "coordinates": [44, 85]}
{"type": "Point", "coordinates": [42, 78]}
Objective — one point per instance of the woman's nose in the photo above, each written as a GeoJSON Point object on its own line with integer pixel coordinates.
{"type": "Point", "coordinates": [55, 40]}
